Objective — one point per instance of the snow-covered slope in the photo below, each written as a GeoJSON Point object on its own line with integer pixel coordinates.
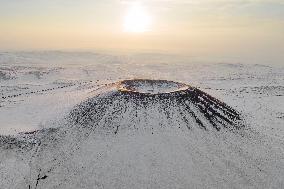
{"type": "Point", "coordinates": [81, 128]}
{"type": "Point", "coordinates": [150, 104]}
{"type": "Point", "coordinates": [127, 135]}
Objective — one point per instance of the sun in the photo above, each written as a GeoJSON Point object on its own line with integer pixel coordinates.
{"type": "Point", "coordinates": [137, 20]}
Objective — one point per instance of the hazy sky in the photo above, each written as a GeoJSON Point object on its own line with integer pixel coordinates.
{"type": "Point", "coordinates": [196, 27]}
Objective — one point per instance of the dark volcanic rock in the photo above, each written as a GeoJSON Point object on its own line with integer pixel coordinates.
{"type": "Point", "coordinates": [142, 104]}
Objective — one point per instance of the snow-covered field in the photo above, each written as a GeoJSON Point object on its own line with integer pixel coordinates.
{"type": "Point", "coordinates": [38, 90]}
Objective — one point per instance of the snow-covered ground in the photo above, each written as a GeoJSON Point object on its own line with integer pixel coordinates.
{"type": "Point", "coordinates": [37, 90]}
{"type": "Point", "coordinates": [37, 87]}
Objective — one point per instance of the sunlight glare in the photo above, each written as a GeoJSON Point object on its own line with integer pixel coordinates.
{"type": "Point", "coordinates": [137, 20]}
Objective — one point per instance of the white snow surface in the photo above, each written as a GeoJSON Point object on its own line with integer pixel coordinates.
{"type": "Point", "coordinates": [151, 86]}
{"type": "Point", "coordinates": [39, 89]}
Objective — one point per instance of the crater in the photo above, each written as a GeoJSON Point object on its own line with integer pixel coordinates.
{"type": "Point", "coordinates": [153, 104]}
{"type": "Point", "coordinates": [151, 87]}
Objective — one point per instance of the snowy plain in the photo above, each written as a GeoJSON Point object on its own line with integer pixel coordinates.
{"type": "Point", "coordinates": [37, 89]}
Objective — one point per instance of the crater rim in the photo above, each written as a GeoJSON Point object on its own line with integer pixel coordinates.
{"type": "Point", "coordinates": [151, 86]}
